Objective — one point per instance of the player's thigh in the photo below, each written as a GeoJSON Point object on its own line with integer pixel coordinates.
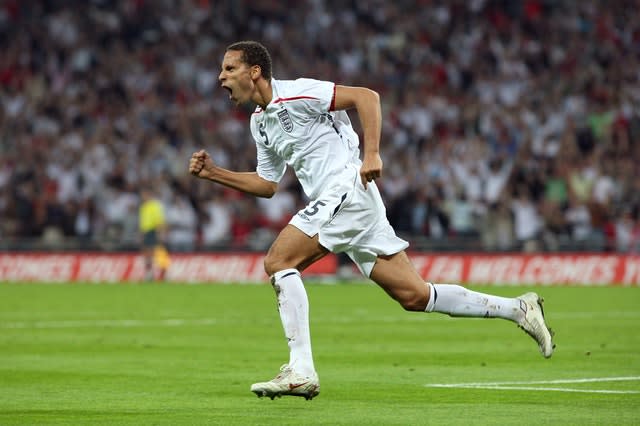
{"type": "Point", "coordinates": [397, 276]}
{"type": "Point", "coordinates": [293, 249]}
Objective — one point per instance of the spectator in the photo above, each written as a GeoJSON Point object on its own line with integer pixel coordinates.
{"type": "Point", "coordinates": [216, 228]}
{"type": "Point", "coordinates": [497, 231]}
{"type": "Point", "coordinates": [527, 220]}
{"type": "Point", "coordinates": [463, 215]}
{"type": "Point", "coordinates": [118, 93]}
{"type": "Point", "coordinates": [182, 224]}
{"type": "Point", "coordinates": [627, 232]}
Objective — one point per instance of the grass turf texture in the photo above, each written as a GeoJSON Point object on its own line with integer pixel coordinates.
{"type": "Point", "coordinates": [173, 355]}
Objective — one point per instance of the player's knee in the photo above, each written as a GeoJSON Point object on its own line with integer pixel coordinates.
{"type": "Point", "coordinates": [268, 266]}
{"type": "Point", "coordinates": [273, 264]}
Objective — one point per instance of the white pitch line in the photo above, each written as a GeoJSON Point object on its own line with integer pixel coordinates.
{"type": "Point", "coordinates": [88, 323]}
{"type": "Point", "coordinates": [13, 319]}
{"type": "Point", "coordinates": [547, 382]}
{"type": "Point", "coordinates": [526, 385]}
{"type": "Point", "coordinates": [172, 322]}
{"type": "Point", "coordinates": [604, 314]}
{"type": "Point", "coordinates": [537, 388]}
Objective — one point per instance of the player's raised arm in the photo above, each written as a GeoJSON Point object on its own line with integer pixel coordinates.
{"type": "Point", "coordinates": [367, 103]}
{"type": "Point", "coordinates": [201, 165]}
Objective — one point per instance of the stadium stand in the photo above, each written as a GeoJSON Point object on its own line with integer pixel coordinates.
{"type": "Point", "coordinates": [508, 125]}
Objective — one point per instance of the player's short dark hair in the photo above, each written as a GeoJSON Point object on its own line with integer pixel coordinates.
{"type": "Point", "coordinates": [254, 53]}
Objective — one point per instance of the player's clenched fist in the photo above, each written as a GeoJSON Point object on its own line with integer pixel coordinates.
{"type": "Point", "coordinates": [200, 164]}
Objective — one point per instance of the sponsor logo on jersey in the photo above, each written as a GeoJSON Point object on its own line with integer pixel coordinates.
{"type": "Point", "coordinates": [285, 120]}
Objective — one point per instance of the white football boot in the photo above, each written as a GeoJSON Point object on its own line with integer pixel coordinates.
{"type": "Point", "coordinates": [533, 323]}
{"type": "Point", "coordinates": [288, 382]}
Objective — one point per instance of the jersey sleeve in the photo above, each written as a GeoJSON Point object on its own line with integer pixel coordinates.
{"type": "Point", "coordinates": [270, 166]}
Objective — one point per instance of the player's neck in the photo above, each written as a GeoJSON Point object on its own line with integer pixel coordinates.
{"type": "Point", "coordinates": [264, 93]}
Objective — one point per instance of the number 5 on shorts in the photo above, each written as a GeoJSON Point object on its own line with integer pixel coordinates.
{"type": "Point", "coordinates": [314, 208]}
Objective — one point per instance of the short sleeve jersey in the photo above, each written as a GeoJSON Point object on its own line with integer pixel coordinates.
{"type": "Point", "coordinates": [299, 128]}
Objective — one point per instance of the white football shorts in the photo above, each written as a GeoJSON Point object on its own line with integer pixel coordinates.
{"type": "Point", "coordinates": [350, 219]}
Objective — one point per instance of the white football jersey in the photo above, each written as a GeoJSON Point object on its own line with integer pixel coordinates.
{"type": "Point", "coordinates": [299, 128]}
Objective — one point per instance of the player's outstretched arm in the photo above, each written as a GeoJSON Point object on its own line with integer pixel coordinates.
{"type": "Point", "coordinates": [367, 103]}
{"type": "Point", "coordinates": [201, 165]}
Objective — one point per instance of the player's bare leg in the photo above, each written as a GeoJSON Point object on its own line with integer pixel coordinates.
{"type": "Point", "coordinates": [292, 252]}
{"type": "Point", "coordinates": [398, 277]}
{"type": "Point", "coordinates": [293, 249]}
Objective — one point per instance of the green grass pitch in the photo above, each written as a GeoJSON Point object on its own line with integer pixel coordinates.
{"type": "Point", "coordinates": [158, 354]}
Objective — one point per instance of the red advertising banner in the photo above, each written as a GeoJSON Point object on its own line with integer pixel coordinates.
{"type": "Point", "coordinates": [507, 269]}
{"type": "Point", "coordinates": [114, 268]}
{"type": "Point", "coordinates": [531, 269]}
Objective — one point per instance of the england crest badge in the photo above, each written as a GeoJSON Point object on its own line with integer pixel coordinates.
{"type": "Point", "coordinates": [285, 120]}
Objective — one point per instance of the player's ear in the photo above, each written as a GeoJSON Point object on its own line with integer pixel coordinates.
{"type": "Point", "coordinates": [256, 72]}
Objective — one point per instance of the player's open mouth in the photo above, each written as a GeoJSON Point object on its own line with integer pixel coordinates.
{"type": "Point", "coordinates": [228, 89]}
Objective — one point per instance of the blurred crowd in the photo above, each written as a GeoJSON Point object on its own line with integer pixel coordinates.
{"type": "Point", "coordinates": [508, 125]}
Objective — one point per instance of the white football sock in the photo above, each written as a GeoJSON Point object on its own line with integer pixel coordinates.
{"type": "Point", "coordinates": [458, 301]}
{"type": "Point", "coordinates": [293, 306]}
